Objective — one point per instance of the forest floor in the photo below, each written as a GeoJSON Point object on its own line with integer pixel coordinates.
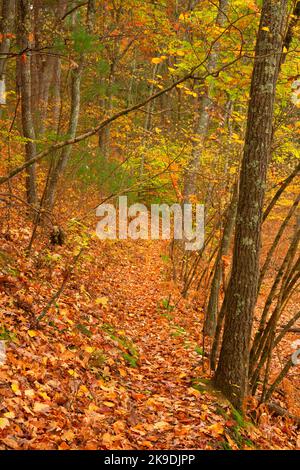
{"type": "Point", "coordinates": [116, 362]}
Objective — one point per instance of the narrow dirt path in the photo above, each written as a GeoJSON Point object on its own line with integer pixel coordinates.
{"type": "Point", "coordinates": [167, 412]}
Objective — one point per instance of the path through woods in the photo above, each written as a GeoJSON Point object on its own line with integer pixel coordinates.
{"type": "Point", "coordinates": [114, 366]}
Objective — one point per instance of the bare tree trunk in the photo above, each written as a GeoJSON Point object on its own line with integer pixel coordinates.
{"type": "Point", "coordinates": [203, 116]}
{"type": "Point", "coordinates": [58, 168]}
{"type": "Point", "coordinates": [213, 303]}
{"type": "Point", "coordinates": [57, 102]}
{"type": "Point", "coordinates": [148, 118]}
{"type": "Point", "coordinates": [6, 23]}
{"type": "Point", "coordinates": [24, 29]}
{"type": "Point", "coordinates": [45, 67]}
{"type": "Point", "coordinates": [48, 64]}
{"type": "Point", "coordinates": [240, 299]}
{"type": "Point", "coordinates": [56, 77]}
{"type": "Point", "coordinates": [61, 163]}
{"type": "Point", "coordinates": [90, 17]}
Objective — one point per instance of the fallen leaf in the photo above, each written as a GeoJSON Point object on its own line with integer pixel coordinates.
{"type": "Point", "coordinates": [4, 422]}
{"type": "Point", "coordinates": [15, 388]}
{"type": "Point", "coordinates": [110, 404]}
{"type": "Point", "coordinates": [40, 407]}
{"type": "Point", "coordinates": [216, 429]}
{"type": "Point", "coordinates": [32, 333]}
{"type": "Point", "coordinates": [162, 426]}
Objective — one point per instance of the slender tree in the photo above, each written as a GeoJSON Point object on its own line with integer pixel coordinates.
{"type": "Point", "coordinates": [25, 38]}
{"type": "Point", "coordinates": [203, 114]}
{"type": "Point", "coordinates": [6, 28]}
{"type": "Point", "coordinates": [76, 73]}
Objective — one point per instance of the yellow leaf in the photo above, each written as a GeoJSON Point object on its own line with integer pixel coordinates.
{"type": "Point", "coordinates": [192, 93]}
{"type": "Point", "coordinates": [15, 388]}
{"type": "Point", "coordinates": [110, 404]}
{"type": "Point", "coordinates": [183, 16]}
{"type": "Point", "coordinates": [216, 429]}
{"type": "Point", "coordinates": [10, 414]}
{"type": "Point", "coordinates": [89, 349]}
{"type": "Point", "coordinates": [44, 395]}
{"type": "Point", "coordinates": [3, 423]}
{"type": "Point", "coordinates": [265, 28]}
{"type": "Point", "coordinates": [156, 60]}
{"type": "Point", "coordinates": [73, 373]}
{"type": "Point", "coordinates": [83, 390]}
{"type": "Point", "coordinates": [102, 301]}
{"type": "Point", "coordinates": [93, 407]}
{"type": "Point", "coordinates": [32, 333]}
{"type": "Point", "coordinates": [193, 391]}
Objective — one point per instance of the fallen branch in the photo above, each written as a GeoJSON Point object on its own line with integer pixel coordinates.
{"type": "Point", "coordinates": [278, 410]}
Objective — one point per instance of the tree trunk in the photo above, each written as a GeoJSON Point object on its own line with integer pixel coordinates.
{"type": "Point", "coordinates": [202, 121]}
{"type": "Point", "coordinates": [148, 117]}
{"type": "Point", "coordinates": [61, 163]}
{"type": "Point", "coordinates": [232, 372]}
{"type": "Point", "coordinates": [24, 28]}
{"type": "Point", "coordinates": [6, 23]}
{"type": "Point", "coordinates": [76, 73]}
{"type": "Point", "coordinates": [213, 303]}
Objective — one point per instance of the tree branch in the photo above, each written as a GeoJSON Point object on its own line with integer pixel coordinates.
{"type": "Point", "coordinates": [109, 120]}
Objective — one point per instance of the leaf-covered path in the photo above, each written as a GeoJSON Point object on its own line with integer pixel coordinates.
{"type": "Point", "coordinates": [165, 410]}
{"type": "Point", "coordinates": [115, 363]}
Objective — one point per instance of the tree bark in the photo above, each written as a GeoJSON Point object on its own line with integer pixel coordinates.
{"type": "Point", "coordinates": [76, 73]}
{"type": "Point", "coordinates": [24, 31]}
{"type": "Point", "coordinates": [213, 303]}
{"type": "Point", "coordinates": [202, 122]}
{"type": "Point", "coordinates": [6, 24]}
{"type": "Point", "coordinates": [240, 299]}
{"type": "Point", "coordinates": [61, 163]}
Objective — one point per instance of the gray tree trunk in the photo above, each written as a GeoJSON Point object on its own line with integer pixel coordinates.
{"type": "Point", "coordinates": [202, 121]}
{"type": "Point", "coordinates": [6, 27]}
{"type": "Point", "coordinates": [241, 295]}
{"type": "Point", "coordinates": [213, 303]}
{"type": "Point", "coordinates": [61, 163]}
{"type": "Point", "coordinates": [148, 117]}
{"type": "Point", "coordinates": [24, 31]}
{"type": "Point", "coordinates": [58, 168]}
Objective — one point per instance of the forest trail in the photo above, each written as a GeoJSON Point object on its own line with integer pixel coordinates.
{"type": "Point", "coordinates": [115, 363]}
{"type": "Point", "coordinates": [165, 338]}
